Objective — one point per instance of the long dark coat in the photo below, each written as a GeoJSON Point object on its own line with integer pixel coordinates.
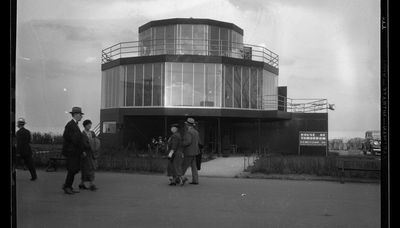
{"type": "Point", "coordinates": [72, 145]}
{"type": "Point", "coordinates": [23, 137]}
{"type": "Point", "coordinates": [175, 163]}
{"type": "Point", "coordinates": [191, 142]}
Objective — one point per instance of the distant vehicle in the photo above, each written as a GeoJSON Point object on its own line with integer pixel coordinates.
{"type": "Point", "coordinates": [372, 143]}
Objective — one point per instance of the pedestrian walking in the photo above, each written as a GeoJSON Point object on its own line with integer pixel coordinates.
{"type": "Point", "coordinates": [72, 149]}
{"type": "Point", "coordinates": [23, 138]}
{"type": "Point", "coordinates": [190, 143]}
{"type": "Point", "coordinates": [89, 157]}
{"type": "Point", "coordinates": [175, 155]}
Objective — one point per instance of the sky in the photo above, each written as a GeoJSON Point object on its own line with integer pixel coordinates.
{"type": "Point", "coordinates": [327, 49]}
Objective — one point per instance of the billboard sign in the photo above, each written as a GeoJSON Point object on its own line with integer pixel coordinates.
{"type": "Point", "coordinates": [311, 138]}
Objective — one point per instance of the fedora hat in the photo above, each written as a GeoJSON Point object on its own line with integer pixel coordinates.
{"type": "Point", "coordinates": [190, 121]}
{"type": "Point", "coordinates": [21, 121]}
{"type": "Point", "coordinates": [76, 110]}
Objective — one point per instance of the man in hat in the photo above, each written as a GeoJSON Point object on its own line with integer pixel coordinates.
{"type": "Point", "coordinates": [190, 143]}
{"type": "Point", "coordinates": [72, 148]}
{"type": "Point", "coordinates": [23, 137]}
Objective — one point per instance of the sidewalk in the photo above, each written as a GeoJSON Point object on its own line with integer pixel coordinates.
{"type": "Point", "coordinates": [220, 167]}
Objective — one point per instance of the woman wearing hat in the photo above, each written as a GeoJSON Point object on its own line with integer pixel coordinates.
{"type": "Point", "coordinates": [175, 155]}
{"type": "Point", "coordinates": [88, 162]}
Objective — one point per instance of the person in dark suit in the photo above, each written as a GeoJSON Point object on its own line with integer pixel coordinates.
{"type": "Point", "coordinates": [175, 155]}
{"type": "Point", "coordinates": [190, 142]}
{"type": "Point", "coordinates": [72, 149]}
{"type": "Point", "coordinates": [23, 137]}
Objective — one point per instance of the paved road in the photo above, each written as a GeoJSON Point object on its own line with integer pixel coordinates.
{"type": "Point", "coordinates": [134, 200]}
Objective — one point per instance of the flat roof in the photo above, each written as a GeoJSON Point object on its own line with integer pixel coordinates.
{"type": "Point", "coordinates": [173, 21]}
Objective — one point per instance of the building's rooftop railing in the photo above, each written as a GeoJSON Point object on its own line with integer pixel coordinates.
{"type": "Point", "coordinates": [189, 47]}
{"type": "Point", "coordinates": [275, 102]}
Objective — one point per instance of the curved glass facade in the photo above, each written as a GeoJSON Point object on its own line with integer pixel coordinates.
{"type": "Point", "coordinates": [183, 84]}
{"type": "Point", "coordinates": [190, 39]}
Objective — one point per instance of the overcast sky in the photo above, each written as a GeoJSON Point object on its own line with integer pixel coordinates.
{"type": "Point", "coordinates": [327, 49]}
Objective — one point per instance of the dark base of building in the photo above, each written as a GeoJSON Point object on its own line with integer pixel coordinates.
{"type": "Point", "coordinates": [266, 132]}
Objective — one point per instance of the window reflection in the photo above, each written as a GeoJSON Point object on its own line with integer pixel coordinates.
{"type": "Point", "coordinates": [186, 39]}
{"type": "Point", "coordinates": [189, 84]}
{"type": "Point", "coordinates": [199, 82]}
{"type": "Point", "coordinates": [176, 84]}
{"type": "Point", "coordinates": [245, 87]}
{"type": "Point", "coordinates": [157, 84]}
{"type": "Point", "coordinates": [191, 39]}
{"type": "Point", "coordinates": [237, 86]}
{"type": "Point", "coordinates": [253, 88]}
{"type": "Point", "coordinates": [199, 40]}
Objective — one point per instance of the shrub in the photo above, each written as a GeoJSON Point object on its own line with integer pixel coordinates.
{"type": "Point", "coordinates": [320, 166]}
{"type": "Point", "coordinates": [46, 138]}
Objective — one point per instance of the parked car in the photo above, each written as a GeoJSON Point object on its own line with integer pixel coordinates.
{"type": "Point", "coordinates": [372, 143]}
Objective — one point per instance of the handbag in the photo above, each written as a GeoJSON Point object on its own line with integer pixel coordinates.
{"type": "Point", "coordinates": [198, 160]}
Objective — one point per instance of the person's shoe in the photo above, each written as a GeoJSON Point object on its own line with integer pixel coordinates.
{"type": "Point", "coordinates": [172, 184]}
{"type": "Point", "coordinates": [194, 183]}
{"type": "Point", "coordinates": [68, 191]}
{"type": "Point", "coordinates": [82, 186]}
{"type": "Point", "coordinates": [184, 180]}
{"type": "Point", "coordinates": [33, 178]}
{"type": "Point", "coordinates": [75, 191]}
{"type": "Point", "coordinates": [93, 188]}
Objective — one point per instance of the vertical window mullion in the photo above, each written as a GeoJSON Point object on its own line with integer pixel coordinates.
{"type": "Point", "coordinates": [257, 96]}
{"type": "Point", "coordinates": [233, 87]}
{"type": "Point", "coordinates": [182, 84]}
{"type": "Point", "coordinates": [143, 84]}
{"type": "Point", "coordinates": [241, 88]}
{"type": "Point", "coordinates": [165, 40]}
{"type": "Point", "coordinates": [249, 97]}
{"type": "Point", "coordinates": [134, 86]}
{"type": "Point", "coordinates": [125, 84]}
{"type": "Point", "coordinates": [152, 84]}
{"type": "Point", "coordinates": [193, 84]}
{"type": "Point", "coordinates": [192, 52]}
{"type": "Point", "coordinates": [205, 85]}
{"type": "Point", "coordinates": [162, 103]}
{"type": "Point", "coordinates": [215, 84]}
{"type": "Point", "coordinates": [219, 41]}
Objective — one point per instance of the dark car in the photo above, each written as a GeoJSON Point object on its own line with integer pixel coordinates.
{"type": "Point", "coordinates": [372, 143]}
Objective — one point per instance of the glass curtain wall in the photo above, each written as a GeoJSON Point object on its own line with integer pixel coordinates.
{"type": "Point", "coordinates": [270, 91]}
{"type": "Point", "coordinates": [193, 84]}
{"type": "Point", "coordinates": [113, 87]}
{"type": "Point", "coordinates": [189, 85]}
{"type": "Point", "coordinates": [190, 39]}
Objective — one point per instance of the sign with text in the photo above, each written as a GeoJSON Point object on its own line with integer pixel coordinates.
{"type": "Point", "coordinates": [310, 138]}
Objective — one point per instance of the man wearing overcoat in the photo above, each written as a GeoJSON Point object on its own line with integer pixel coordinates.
{"type": "Point", "coordinates": [72, 149]}
{"type": "Point", "coordinates": [190, 143]}
{"type": "Point", "coordinates": [23, 137]}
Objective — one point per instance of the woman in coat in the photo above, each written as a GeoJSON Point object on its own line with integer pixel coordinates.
{"type": "Point", "coordinates": [88, 162]}
{"type": "Point", "coordinates": [175, 155]}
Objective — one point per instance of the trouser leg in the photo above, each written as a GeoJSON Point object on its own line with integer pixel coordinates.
{"type": "Point", "coordinates": [187, 161]}
{"type": "Point", "coordinates": [73, 166]}
{"type": "Point", "coordinates": [195, 175]}
{"type": "Point", "coordinates": [69, 179]}
{"type": "Point", "coordinates": [29, 164]}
